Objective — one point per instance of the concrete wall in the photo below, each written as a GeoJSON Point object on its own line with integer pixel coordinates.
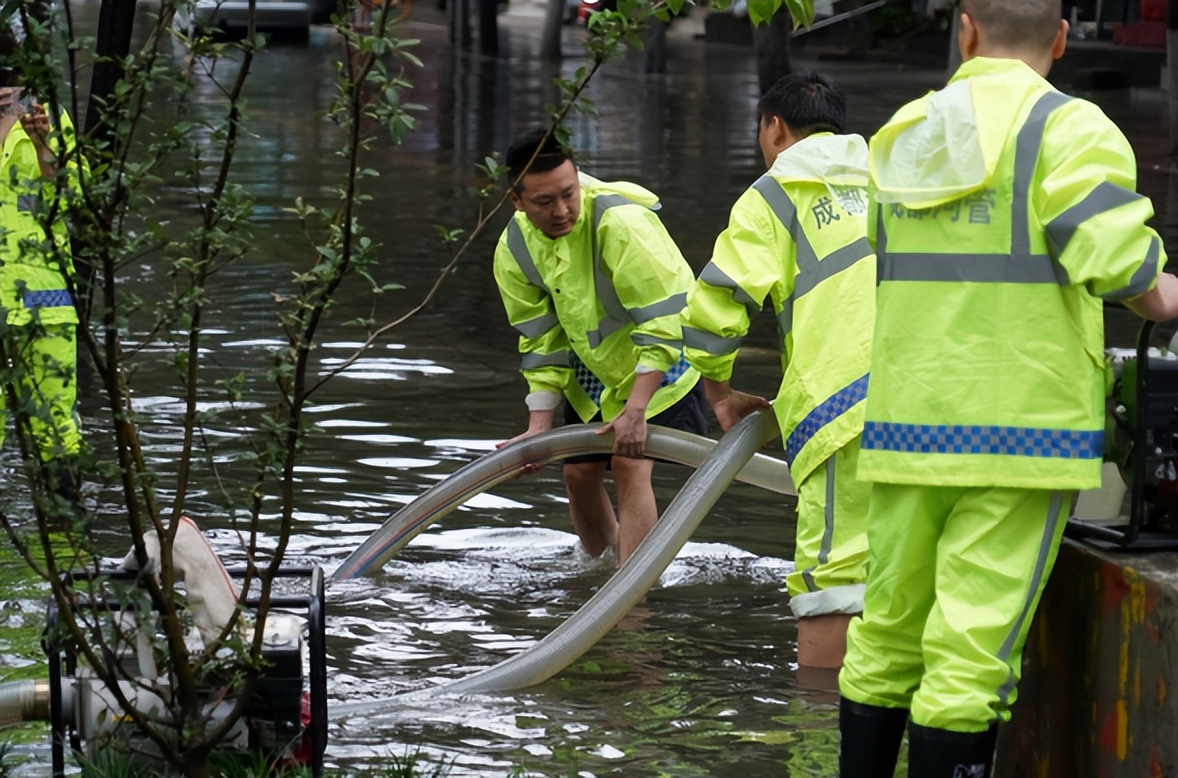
{"type": "Point", "coordinates": [1099, 694]}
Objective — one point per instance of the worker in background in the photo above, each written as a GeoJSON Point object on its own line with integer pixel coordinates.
{"type": "Point", "coordinates": [38, 331]}
{"type": "Point", "coordinates": [594, 285]}
{"type": "Point", "coordinates": [797, 236]}
{"type": "Point", "coordinates": [1004, 214]}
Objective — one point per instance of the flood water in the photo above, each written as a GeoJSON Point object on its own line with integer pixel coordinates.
{"type": "Point", "coordinates": [697, 681]}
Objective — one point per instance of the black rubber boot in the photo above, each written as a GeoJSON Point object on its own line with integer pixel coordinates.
{"type": "Point", "coordinates": [869, 739]}
{"type": "Point", "coordinates": [940, 753]}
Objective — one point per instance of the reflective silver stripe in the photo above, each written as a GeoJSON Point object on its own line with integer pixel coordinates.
{"type": "Point", "coordinates": [787, 213]}
{"type": "Point", "coordinates": [616, 316]}
{"type": "Point", "coordinates": [1026, 157]}
{"type": "Point", "coordinates": [831, 265]}
{"type": "Point", "coordinates": [783, 207]}
{"type": "Point", "coordinates": [668, 307]}
{"type": "Point", "coordinates": [1143, 280]}
{"type": "Point", "coordinates": [978, 268]}
{"type": "Point", "coordinates": [785, 318]}
{"type": "Point", "coordinates": [28, 203]}
{"type": "Point", "coordinates": [1020, 266]}
{"type": "Point", "coordinates": [827, 530]}
{"type": "Point", "coordinates": [534, 328]}
{"type": "Point", "coordinates": [642, 339]}
{"type": "Point", "coordinates": [710, 343]}
{"type": "Point", "coordinates": [1105, 197]}
{"type": "Point", "coordinates": [605, 328]}
{"type": "Point", "coordinates": [1046, 545]}
{"type": "Point", "coordinates": [555, 359]}
{"type": "Point", "coordinates": [714, 276]}
{"type": "Point", "coordinates": [523, 257]}
{"type": "Point", "coordinates": [607, 295]}
{"type": "Point", "coordinates": [811, 270]}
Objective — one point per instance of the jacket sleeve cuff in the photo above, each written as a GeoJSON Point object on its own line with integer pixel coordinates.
{"type": "Point", "coordinates": [654, 361]}
{"type": "Point", "coordinates": [711, 369]}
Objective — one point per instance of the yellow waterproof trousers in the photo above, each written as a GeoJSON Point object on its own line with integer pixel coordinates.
{"type": "Point", "coordinates": [955, 577]}
{"type": "Point", "coordinates": [831, 549]}
{"type": "Point", "coordinates": [43, 373]}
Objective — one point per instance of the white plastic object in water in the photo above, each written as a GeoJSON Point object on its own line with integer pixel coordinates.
{"type": "Point", "coordinates": [212, 595]}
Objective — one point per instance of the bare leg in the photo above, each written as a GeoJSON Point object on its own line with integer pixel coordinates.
{"type": "Point", "coordinates": [590, 507]}
{"type": "Point", "coordinates": [822, 640]}
{"type": "Point", "coordinates": [637, 512]}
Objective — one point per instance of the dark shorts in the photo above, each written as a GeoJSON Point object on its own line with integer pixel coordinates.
{"type": "Point", "coordinates": [690, 414]}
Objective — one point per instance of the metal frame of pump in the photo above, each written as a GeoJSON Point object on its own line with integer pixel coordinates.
{"type": "Point", "coordinates": [310, 718]}
{"type": "Point", "coordinates": [1149, 414]}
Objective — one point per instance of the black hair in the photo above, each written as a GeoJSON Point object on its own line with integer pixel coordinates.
{"type": "Point", "coordinates": [548, 153]}
{"type": "Point", "coordinates": [808, 102]}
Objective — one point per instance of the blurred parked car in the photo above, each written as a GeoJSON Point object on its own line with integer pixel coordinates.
{"type": "Point", "coordinates": [289, 17]}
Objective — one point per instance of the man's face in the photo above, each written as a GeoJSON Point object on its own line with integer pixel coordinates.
{"type": "Point", "coordinates": [551, 200]}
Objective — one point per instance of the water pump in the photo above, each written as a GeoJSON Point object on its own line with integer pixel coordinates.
{"type": "Point", "coordinates": [1141, 437]}
{"type": "Point", "coordinates": [287, 716]}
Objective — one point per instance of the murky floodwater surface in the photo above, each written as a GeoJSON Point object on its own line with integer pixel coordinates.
{"type": "Point", "coordinates": [698, 680]}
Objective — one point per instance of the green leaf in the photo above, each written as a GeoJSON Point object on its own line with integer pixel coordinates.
{"type": "Point", "coordinates": [761, 11]}
{"type": "Point", "coordinates": [802, 12]}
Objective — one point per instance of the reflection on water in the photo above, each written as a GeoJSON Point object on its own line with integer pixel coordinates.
{"type": "Point", "coordinates": [698, 681]}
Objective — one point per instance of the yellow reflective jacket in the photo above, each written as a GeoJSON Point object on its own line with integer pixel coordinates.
{"type": "Point", "coordinates": [594, 305]}
{"type": "Point", "coordinates": [797, 236]}
{"type": "Point", "coordinates": [32, 270]}
{"type": "Point", "coordinates": [1004, 213]}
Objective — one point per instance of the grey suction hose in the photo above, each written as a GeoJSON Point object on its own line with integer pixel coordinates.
{"type": "Point", "coordinates": [624, 589]}
{"type": "Point", "coordinates": [494, 468]}
{"type": "Point", "coordinates": [23, 701]}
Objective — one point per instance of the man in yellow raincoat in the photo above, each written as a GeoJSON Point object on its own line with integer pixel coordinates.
{"type": "Point", "coordinates": [1004, 215]}
{"type": "Point", "coordinates": [594, 285]}
{"type": "Point", "coordinates": [798, 236]}
{"type": "Point", "coordinates": [37, 333]}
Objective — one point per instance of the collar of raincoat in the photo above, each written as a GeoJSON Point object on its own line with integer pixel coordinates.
{"type": "Point", "coordinates": [826, 158]}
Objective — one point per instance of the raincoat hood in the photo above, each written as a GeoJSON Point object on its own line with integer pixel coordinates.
{"type": "Point", "coordinates": [839, 160]}
{"type": "Point", "coordinates": [633, 192]}
{"type": "Point", "coordinates": [948, 145]}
